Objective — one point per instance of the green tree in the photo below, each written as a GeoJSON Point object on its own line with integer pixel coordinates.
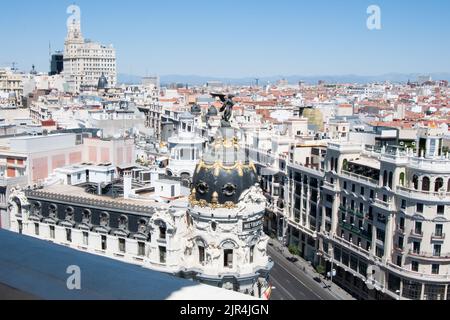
{"type": "Point", "coordinates": [294, 250]}
{"type": "Point", "coordinates": [320, 269]}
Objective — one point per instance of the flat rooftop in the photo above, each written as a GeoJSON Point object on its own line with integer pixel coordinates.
{"type": "Point", "coordinates": [36, 269]}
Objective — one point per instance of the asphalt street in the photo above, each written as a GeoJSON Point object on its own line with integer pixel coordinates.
{"type": "Point", "coordinates": [289, 282]}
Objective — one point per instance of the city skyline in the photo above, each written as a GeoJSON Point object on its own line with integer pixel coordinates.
{"type": "Point", "coordinates": [236, 39]}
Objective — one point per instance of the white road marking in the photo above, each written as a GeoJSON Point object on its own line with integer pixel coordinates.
{"type": "Point", "coordinates": [283, 289]}
{"type": "Point", "coordinates": [295, 277]}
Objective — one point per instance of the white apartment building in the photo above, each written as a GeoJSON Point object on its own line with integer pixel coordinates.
{"type": "Point", "coordinates": [378, 218]}
{"type": "Point", "coordinates": [86, 61]}
{"type": "Point", "coordinates": [11, 88]}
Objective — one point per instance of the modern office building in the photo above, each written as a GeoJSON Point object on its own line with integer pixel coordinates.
{"type": "Point", "coordinates": [56, 63]}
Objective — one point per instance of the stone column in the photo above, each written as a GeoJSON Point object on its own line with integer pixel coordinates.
{"type": "Point", "coordinates": [308, 206]}
{"type": "Point", "coordinates": [374, 240]}
{"type": "Point", "coordinates": [335, 216]}
{"type": "Point", "coordinates": [388, 239]}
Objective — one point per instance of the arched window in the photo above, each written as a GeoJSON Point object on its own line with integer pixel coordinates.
{"type": "Point", "coordinates": [391, 178]}
{"type": "Point", "coordinates": [70, 214]}
{"type": "Point", "coordinates": [123, 222]}
{"type": "Point", "coordinates": [87, 216]}
{"type": "Point", "coordinates": [53, 210]}
{"type": "Point", "coordinates": [426, 184]}
{"type": "Point", "coordinates": [415, 182]}
{"type": "Point", "coordinates": [162, 230]}
{"type": "Point", "coordinates": [104, 219]}
{"type": "Point", "coordinates": [402, 179]}
{"type": "Point", "coordinates": [142, 226]}
{"type": "Point", "coordinates": [438, 184]}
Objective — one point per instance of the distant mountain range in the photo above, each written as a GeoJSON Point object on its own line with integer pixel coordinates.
{"type": "Point", "coordinates": [200, 80]}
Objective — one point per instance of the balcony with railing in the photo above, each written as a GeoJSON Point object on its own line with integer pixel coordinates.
{"type": "Point", "coordinates": [429, 255]}
{"type": "Point", "coordinates": [354, 229]}
{"type": "Point", "coordinates": [360, 178]}
{"type": "Point", "coordinates": [330, 186]}
{"type": "Point", "coordinates": [438, 236]}
{"type": "Point", "coordinates": [383, 205]}
{"type": "Point", "coordinates": [416, 275]}
{"type": "Point", "coordinates": [418, 234]}
{"type": "Point", "coordinates": [422, 195]}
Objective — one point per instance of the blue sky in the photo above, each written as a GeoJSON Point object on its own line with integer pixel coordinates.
{"type": "Point", "coordinates": [236, 38]}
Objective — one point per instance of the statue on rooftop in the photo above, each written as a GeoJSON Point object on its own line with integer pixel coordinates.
{"type": "Point", "coordinates": [227, 107]}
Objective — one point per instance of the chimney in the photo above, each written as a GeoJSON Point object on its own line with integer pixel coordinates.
{"type": "Point", "coordinates": [127, 184]}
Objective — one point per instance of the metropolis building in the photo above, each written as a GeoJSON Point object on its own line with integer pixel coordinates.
{"type": "Point", "coordinates": [214, 235]}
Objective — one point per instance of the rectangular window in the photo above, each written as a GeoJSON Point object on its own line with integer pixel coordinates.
{"type": "Point", "coordinates": [345, 185]}
{"type": "Point", "coordinates": [402, 223]}
{"type": "Point", "coordinates": [36, 229]}
{"type": "Point", "coordinates": [69, 235]}
{"type": "Point", "coordinates": [400, 242]}
{"type": "Point", "coordinates": [416, 247]}
{"type": "Point", "coordinates": [201, 254]}
{"type": "Point", "coordinates": [438, 230]}
{"type": "Point", "coordinates": [379, 252]}
{"type": "Point", "coordinates": [162, 254]}
{"type": "Point", "coordinates": [372, 194]}
{"type": "Point", "coordinates": [86, 238]}
{"type": "Point", "coordinates": [353, 188]}
{"type": "Point", "coordinates": [363, 191]}
{"type": "Point", "coordinates": [104, 243]}
{"type": "Point", "coordinates": [435, 269]}
{"type": "Point", "coordinates": [440, 209]}
{"type": "Point", "coordinates": [252, 254]}
{"type": "Point", "coordinates": [141, 249]}
{"type": "Point", "coordinates": [437, 250]}
{"type": "Point", "coordinates": [228, 258]}
{"type": "Point", "coordinates": [52, 232]}
{"type": "Point", "coordinates": [370, 213]}
{"type": "Point", "coordinates": [415, 266]}
{"type": "Point", "coordinates": [354, 263]}
{"type": "Point", "coordinates": [403, 204]}
{"type": "Point", "coordinates": [162, 233]}
{"type": "Point", "coordinates": [122, 245]}
{"type": "Point", "coordinates": [399, 261]}
{"type": "Point", "coordinates": [418, 228]}
{"type": "Point", "coordinates": [419, 207]}
{"type": "Point", "coordinates": [381, 235]}
{"type": "Point", "coordinates": [345, 258]}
